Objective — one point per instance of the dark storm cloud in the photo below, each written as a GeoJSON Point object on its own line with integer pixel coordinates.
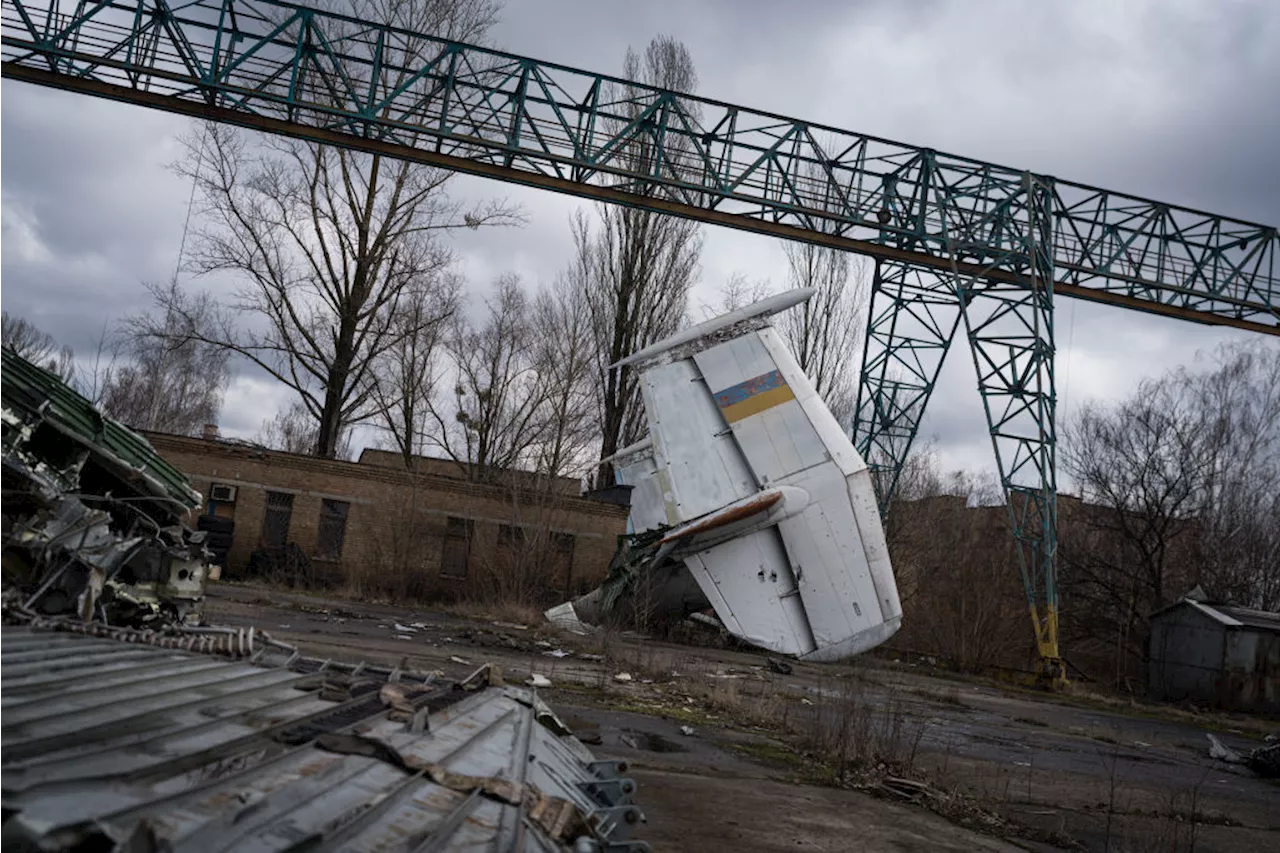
{"type": "Point", "coordinates": [1169, 100]}
{"type": "Point", "coordinates": [89, 210]}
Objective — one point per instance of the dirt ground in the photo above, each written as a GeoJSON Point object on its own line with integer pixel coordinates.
{"type": "Point", "coordinates": [1013, 769]}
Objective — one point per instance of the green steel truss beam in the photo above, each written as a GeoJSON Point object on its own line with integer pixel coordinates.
{"type": "Point", "coordinates": [913, 318]}
{"type": "Point", "coordinates": [291, 69]}
{"type": "Point", "coordinates": [956, 240]}
{"type": "Point", "coordinates": [1009, 325]}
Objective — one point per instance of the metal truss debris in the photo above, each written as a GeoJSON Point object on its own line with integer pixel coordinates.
{"type": "Point", "coordinates": [93, 517]}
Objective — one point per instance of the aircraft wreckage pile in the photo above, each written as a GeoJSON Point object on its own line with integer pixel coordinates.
{"type": "Point", "coordinates": [93, 517]}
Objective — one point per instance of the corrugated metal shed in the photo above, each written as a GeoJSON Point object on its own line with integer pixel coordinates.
{"type": "Point", "coordinates": [1216, 654]}
{"type": "Point", "coordinates": [113, 745]}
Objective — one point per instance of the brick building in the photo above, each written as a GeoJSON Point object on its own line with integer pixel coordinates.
{"type": "Point", "coordinates": [379, 529]}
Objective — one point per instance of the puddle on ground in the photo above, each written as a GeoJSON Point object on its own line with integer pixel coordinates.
{"type": "Point", "coordinates": [650, 742]}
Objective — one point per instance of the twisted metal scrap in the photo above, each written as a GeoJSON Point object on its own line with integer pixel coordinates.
{"type": "Point", "coordinates": [231, 642]}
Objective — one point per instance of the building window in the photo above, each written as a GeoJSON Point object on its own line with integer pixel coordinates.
{"type": "Point", "coordinates": [275, 524]}
{"type": "Point", "coordinates": [333, 529]}
{"type": "Point", "coordinates": [562, 560]}
{"type": "Point", "coordinates": [455, 558]}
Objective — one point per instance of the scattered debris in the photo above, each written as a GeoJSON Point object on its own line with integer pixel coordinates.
{"type": "Point", "coordinates": [514, 626]}
{"type": "Point", "coordinates": [778, 666]}
{"type": "Point", "coordinates": [404, 629]}
{"type": "Point", "coordinates": [905, 788]}
{"type": "Point", "coordinates": [564, 616]}
{"type": "Point", "coordinates": [1264, 760]}
{"type": "Point", "coordinates": [418, 626]}
{"type": "Point", "coordinates": [806, 701]}
{"type": "Point", "coordinates": [1222, 753]}
{"type": "Point", "coordinates": [539, 680]}
{"type": "Point", "coordinates": [592, 658]}
{"type": "Point", "coordinates": [463, 661]}
{"type": "Point", "coordinates": [232, 642]}
{"type": "Point", "coordinates": [623, 677]}
{"type": "Point", "coordinates": [93, 517]}
{"type": "Point", "coordinates": [557, 653]}
{"type": "Point", "coordinates": [404, 636]}
{"type": "Point", "coordinates": [687, 731]}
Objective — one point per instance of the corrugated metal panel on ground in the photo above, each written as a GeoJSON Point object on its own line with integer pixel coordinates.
{"type": "Point", "coordinates": [111, 744]}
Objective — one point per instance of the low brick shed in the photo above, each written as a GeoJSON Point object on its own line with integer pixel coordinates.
{"type": "Point", "coordinates": [348, 516]}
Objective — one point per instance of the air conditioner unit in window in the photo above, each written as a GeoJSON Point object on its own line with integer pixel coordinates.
{"type": "Point", "coordinates": [224, 493]}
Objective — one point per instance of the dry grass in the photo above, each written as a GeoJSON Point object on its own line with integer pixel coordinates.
{"type": "Point", "coordinates": [515, 612]}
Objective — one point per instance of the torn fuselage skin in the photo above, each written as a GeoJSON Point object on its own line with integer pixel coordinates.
{"type": "Point", "coordinates": [85, 531]}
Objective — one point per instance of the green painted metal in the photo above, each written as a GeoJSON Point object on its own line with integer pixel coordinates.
{"type": "Point", "coordinates": [33, 396]}
{"type": "Point", "coordinates": [957, 241]}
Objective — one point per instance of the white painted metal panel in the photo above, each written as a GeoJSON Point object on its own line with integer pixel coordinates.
{"type": "Point", "coordinates": [779, 442]}
{"type": "Point", "coordinates": [703, 465]}
{"type": "Point", "coordinates": [648, 509]}
{"type": "Point", "coordinates": [833, 436]}
{"type": "Point", "coordinates": [862, 497]}
{"type": "Point", "coordinates": [734, 361]}
{"type": "Point", "coordinates": [756, 590]}
{"type": "Point", "coordinates": [835, 580]}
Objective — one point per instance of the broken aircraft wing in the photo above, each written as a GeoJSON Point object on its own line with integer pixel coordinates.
{"type": "Point", "coordinates": [763, 496]}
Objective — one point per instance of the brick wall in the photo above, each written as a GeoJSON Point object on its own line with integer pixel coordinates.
{"type": "Point", "coordinates": [569, 486]}
{"type": "Point", "coordinates": [393, 518]}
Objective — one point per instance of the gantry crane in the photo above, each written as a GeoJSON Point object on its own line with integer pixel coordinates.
{"type": "Point", "coordinates": [957, 242]}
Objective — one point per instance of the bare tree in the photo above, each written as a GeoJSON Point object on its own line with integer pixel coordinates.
{"type": "Point", "coordinates": [293, 430]}
{"type": "Point", "coordinates": [170, 382]}
{"type": "Point", "coordinates": [494, 415]}
{"type": "Point", "coordinates": [1139, 467]}
{"type": "Point", "coordinates": [1179, 486]}
{"type": "Point", "coordinates": [331, 244]}
{"type": "Point", "coordinates": [737, 291]}
{"type": "Point", "coordinates": [405, 378]}
{"type": "Point", "coordinates": [21, 337]}
{"type": "Point", "coordinates": [1238, 402]}
{"type": "Point", "coordinates": [826, 332]}
{"type": "Point", "coordinates": [956, 570]}
{"type": "Point", "coordinates": [565, 361]}
{"type": "Point", "coordinates": [637, 267]}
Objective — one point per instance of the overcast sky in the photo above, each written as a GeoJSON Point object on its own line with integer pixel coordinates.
{"type": "Point", "coordinates": [1178, 101]}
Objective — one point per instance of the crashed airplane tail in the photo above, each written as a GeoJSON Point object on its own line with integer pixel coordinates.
{"type": "Point", "coordinates": [757, 492]}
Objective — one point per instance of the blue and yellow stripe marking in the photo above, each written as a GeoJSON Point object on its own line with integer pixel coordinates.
{"type": "Point", "coordinates": [754, 396]}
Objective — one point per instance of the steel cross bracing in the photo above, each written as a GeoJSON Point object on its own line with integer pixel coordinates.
{"type": "Point", "coordinates": [957, 241]}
